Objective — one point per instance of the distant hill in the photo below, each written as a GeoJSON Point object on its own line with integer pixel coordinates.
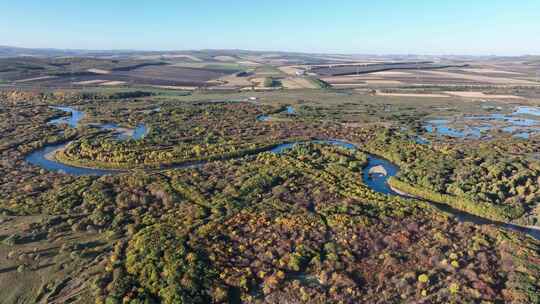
{"type": "Point", "coordinates": [9, 51]}
{"type": "Point", "coordinates": [209, 54]}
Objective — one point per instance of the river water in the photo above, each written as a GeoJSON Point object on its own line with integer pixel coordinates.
{"type": "Point", "coordinates": [289, 110]}
{"type": "Point", "coordinates": [43, 157]}
{"type": "Point", "coordinates": [377, 182]}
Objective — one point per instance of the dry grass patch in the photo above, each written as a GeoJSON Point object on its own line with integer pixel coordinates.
{"type": "Point", "coordinates": [234, 81]}
{"type": "Point", "coordinates": [392, 73]}
{"type": "Point", "coordinates": [345, 85]}
{"type": "Point", "coordinates": [99, 71]}
{"type": "Point", "coordinates": [343, 79]}
{"type": "Point", "coordinates": [44, 263]}
{"type": "Point", "coordinates": [96, 81]}
{"type": "Point", "coordinates": [412, 95]}
{"type": "Point", "coordinates": [290, 70]}
{"type": "Point", "coordinates": [383, 81]}
{"type": "Point", "coordinates": [35, 79]}
{"type": "Point", "coordinates": [298, 83]}
{"type": "Point", "coordinates": [113, 83]}
{"type": "Point", "coordinates": [489, 71]}
{"type": "Point", "coordinates": [182, 88]}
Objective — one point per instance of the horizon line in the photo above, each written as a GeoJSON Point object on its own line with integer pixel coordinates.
{"type": "Point", "coordinates": [260, 50]}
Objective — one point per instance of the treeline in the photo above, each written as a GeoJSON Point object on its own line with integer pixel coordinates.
{"type": "Point", "coordinates": [271, 82]}
{"type": "Point", "coordinates": [106, 157]}
{"type": "Point", "coordinates": [188, 133]}
{"type": "Point", "coordinates": [483, 179]}
{"type": "Point", "coordinates": [483, 209]}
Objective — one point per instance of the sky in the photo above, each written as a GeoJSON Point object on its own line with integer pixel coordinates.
{"type": "Point", "coordinates": [460, 27]}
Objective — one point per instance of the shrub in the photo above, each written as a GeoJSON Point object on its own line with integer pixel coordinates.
{"type": "Point", "coordinates": [167, 267]}
{"type": "Point", "coordinates": [11, 240]}
{"type": "Point", "coordinates": [454, 288]}
{"type": "Point", "coordinates": [423, 278]}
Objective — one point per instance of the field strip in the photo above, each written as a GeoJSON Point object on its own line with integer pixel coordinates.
{"type": "Point", "coordinates": [489, 71]}
{"type": "Point", "coordinates": [99, 71]}
{"type": "Point", "coordinates": [392, 73]}
{"type": "Point", "coordinates": [298, 83]}
{"type": "Point", "coordinates": [412, 95]}
{"type": "Point", "coordinates": [349, 84]}
{"type": "Point", "coordinates": [113, 83]}
{"type": "Point", "coordinates": [481, 95]}
{"type": "Point", "coordinates": [174, 87]}
{"type": "Point", "coordinates": [479, 78]}
{"type": "Point", "coordinates": [290, 70]}
{"type": "Point", "coordinates": [90, 82]}
{"type": "Point", "coordinates": [35, 78]}
{"type": "Point", "coordinates": [249, 63]}
{"type": "Point", "coordinates": [383, 82]}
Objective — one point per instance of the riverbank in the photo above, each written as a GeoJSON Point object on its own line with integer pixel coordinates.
{"type": "Point", "coordinates": [489, 211]}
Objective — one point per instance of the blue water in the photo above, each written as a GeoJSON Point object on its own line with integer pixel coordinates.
{"type": "Point", "coordinates": [522, 127]}
{"type": "Point", "coordinates": [376, 182]}
{"type": "Point", "coordinates": [528, 110]}
{"type": "Point", "coordinates": [421, 140]}
{"type": "Point", "coordinates": [283, 147]}
{"type": "Point", "coordinates": [75, 117]}
{"type": "Point", "coordinates": [288, 110]}
{"type": "Point", "coordinates": [72, 120]}
{"type": "Point", "coordinates": [139, 132]}
{"type": "Point", "coordinates": [124, 133]}
{"type": "Point", "coordinates": [263, 118]}
{"type": "Point", "coordinates": [379, 182]}
{"type": "Point", "coordinates": [39, 157]}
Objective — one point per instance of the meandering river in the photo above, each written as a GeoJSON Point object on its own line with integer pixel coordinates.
{"type": "Point", "coordinates": [44, 157]}
{"type": "Point", "coordinates": [376, 181]}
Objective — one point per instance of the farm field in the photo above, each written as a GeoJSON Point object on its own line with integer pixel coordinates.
{"type": "Point", "coordinates": [340, 70]}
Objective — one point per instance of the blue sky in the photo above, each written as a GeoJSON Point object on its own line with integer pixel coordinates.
{"type": "Point", "coordinates": [500, 27]}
